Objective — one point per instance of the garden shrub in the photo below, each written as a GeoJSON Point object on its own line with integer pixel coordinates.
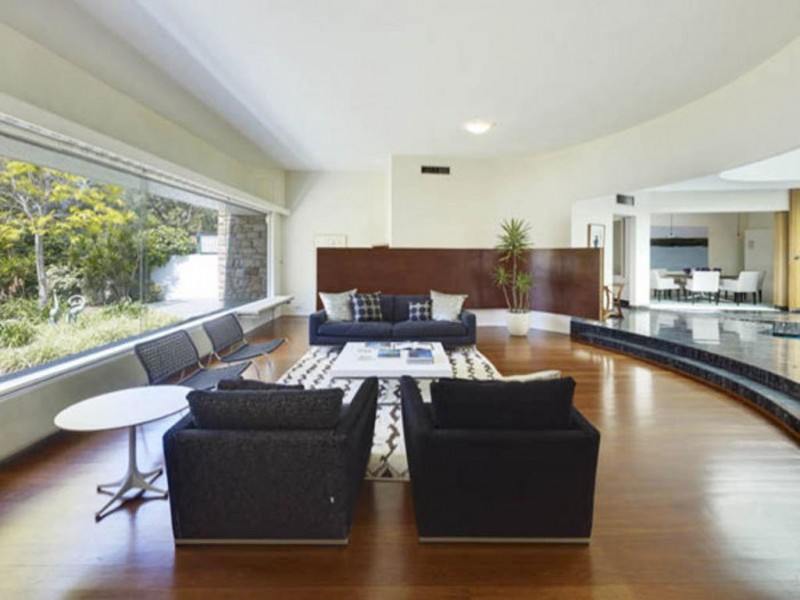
{"type": "Point", "coordinates": [96, 327]}
{"type": "Point", "coordinates": [24, 309]}
{"type": "Point", "coordinates": [17, 275]}
{"type": "Point", "coordinates": [124, 308]}
{"type": "Point", "coordinates": [15, 333]}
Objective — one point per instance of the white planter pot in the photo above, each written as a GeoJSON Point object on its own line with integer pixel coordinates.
{"type": "Point", "coordinates": [518, 323]}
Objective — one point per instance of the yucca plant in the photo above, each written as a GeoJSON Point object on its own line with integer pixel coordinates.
{"type": "Point", "coordinates": [511, 274]}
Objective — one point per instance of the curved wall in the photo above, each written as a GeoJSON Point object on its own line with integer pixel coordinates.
{"type": "Point", "coordinates": [751, 118]}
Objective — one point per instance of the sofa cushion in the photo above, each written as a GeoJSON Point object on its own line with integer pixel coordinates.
{"type": "Point", "coordinates": [367, 307]}
{"type": "Point", "coordinates": [387, 307]}
{"type": "Point", "coordinates": [339, 306]}
{"type": "Point", "coordinates": [354, 329]}
{"type": "Point", "coordinates": [412, 330]}
{"type": "Point", "coordinates": [266, 409]}
{"type": "Point", "coordinates": [469, 404]}
{"type": "Point", "coordinates": [401, 306]}
{"type": "Point", "coordinates": [419, 311]}
{"type": "Point", "coordinates": [446, 307]}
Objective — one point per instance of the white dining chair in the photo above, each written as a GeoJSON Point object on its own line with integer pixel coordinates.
{"type": "Point", "coordinates": [746, 283]}
{"type": "Point", "coordinates": [660, 284]}
{"type": "Point", "coordinates": [704, 283]}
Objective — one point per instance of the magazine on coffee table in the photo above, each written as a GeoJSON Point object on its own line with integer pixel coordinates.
{"type": "Point", "coordinates": [388, 353]}
{"type": "Point", "coordinates": [420, 356]}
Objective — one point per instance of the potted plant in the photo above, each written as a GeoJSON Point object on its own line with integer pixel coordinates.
{"type": "Point", "coordinates": [512, 276]}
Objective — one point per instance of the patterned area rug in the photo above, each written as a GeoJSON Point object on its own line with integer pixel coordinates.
{"type": "Point", "coordinates": [388, 459]}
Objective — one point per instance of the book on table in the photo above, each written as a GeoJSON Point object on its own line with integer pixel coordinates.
{"type": "Point", "coordinates": [388, 353]}
{"type": "Point", "coordinates": [420, 356]}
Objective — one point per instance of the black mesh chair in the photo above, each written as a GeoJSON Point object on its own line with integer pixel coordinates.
{"type": "Point", "coordinates": [174, 357]}
{"type": "Point", "coordinates": [229, 344]}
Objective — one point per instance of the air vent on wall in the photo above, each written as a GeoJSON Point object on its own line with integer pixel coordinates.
{"type": "Point", "coordinates": [626, 200]}
{"type": "Point", "coordinates": [430, 170]}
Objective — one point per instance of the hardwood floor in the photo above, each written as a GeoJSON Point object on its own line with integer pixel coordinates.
{"type": "Point", "coordinates": [698, 497]}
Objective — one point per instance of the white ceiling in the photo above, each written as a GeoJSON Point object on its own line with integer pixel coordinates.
{"type": "Point", "coordinates": [776, 169]}
{"type": "Point", "coordinates": [344, 85]}
{"type": "Point", "coordinates": [780, 172]}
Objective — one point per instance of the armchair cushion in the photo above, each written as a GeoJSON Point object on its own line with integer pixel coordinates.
{"type": "Point", "coordinates": [266, 409]}
{"type": "Point", "coordinates": [255, 384]}
{"type": "Point", "coordinates": [419, 329]}
{"type": "Point", "coordinates": [530, 405]}
{"type": "Point", "coordinates": [356, 329]}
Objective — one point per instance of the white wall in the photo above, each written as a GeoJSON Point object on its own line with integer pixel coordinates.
{"type": "Point", "coordinates": [601, 211]}
{"type": "Point", "coordinates": [726, 234]}
{"type": "Point", "coordinates": [352, 204]}
{"type": "Point", "coordinates": [464, 209]}
{"type": "Point", "coordinates": [725, 250]}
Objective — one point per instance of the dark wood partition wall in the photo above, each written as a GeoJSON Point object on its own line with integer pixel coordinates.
{"type": "Point", "coordinates": [566, 280]}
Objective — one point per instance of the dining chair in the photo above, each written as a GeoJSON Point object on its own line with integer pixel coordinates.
{"type": "Point", "coordinates": [704, 283]}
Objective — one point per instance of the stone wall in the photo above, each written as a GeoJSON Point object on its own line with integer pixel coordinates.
{"type": "Point", "coordinates": [242, 257]}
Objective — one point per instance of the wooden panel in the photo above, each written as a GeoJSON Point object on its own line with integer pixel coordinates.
{"type": "Point", "coordinates": [566, 280]}
{"type": "Point", "coordinates": [780, 257]}
{"type": "Point", "coordinates": [793, 265]}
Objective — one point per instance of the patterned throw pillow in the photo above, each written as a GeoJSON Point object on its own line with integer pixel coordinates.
{"type": "Point", "coordinates": [367, 307]}
{"type": "Point", "coordinates": [419, 311]}
{"type": "Point", "coordinates": [446, 307]}
{"type": "Point", "coordinates": [338, 307]}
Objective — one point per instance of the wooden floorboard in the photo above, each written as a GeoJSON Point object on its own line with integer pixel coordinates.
{"type": "Point", "coordinates": [698, 496]}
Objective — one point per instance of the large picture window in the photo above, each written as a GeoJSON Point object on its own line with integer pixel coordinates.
{"type": "Point", "coordinates": [86, 262]}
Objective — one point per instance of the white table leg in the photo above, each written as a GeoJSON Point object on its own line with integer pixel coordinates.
{"type": "Point", "coordinates": [133, 479]}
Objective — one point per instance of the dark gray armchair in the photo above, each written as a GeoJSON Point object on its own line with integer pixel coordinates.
{"type": "Point", "coordinates": [278, 483]}
{"type": "Point", "coordinates": [500, 483]}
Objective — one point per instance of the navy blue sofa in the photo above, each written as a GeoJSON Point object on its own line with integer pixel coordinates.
{"type": "Point", "coordinates": [395, 326]}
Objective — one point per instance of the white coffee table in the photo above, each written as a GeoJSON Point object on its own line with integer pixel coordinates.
{"type": "Point", "coordinates": [357, 360]}
{"type": "Point", "coordinates": [127, 408]}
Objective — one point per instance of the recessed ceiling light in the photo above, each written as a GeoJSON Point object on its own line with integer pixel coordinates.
{"type": "Point", "coordinates": [478, 126]}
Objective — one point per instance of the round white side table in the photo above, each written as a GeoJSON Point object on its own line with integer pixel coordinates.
{"type": "Point", "coordinates": [126, 408]}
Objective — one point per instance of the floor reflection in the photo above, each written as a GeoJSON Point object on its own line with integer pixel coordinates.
{"type": "Point", "coordinates": [742, 336]}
